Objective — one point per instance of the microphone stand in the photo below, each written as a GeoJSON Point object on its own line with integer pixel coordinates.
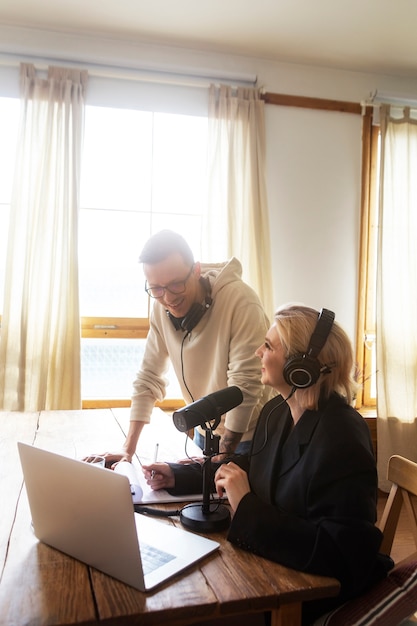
{"type": "Point", "coordinates": [211, 516]}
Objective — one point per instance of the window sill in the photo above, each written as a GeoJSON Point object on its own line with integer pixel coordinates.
{"type": "Point", "coordinates": [368, 411]}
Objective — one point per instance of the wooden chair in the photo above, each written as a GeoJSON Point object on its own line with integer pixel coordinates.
{"type": "Point", "coordinates": [403, 475]}
{"type": "Point", "coordinates": [393, 599]}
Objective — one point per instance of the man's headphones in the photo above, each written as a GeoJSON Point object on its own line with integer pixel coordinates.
{"type": "Point", "coordinates": [196, 312]}
{"type": "Point", "coordinates": [303, 370]}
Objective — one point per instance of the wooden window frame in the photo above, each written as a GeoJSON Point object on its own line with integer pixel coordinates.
{"type": "Point", "coordinates": [114, 327]}
{"type": "Point", "coordinates": [366, 325]}
{"type": "Point", "coordinates": [119, 328]}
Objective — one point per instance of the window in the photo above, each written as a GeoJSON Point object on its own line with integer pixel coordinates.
{"type": "Point", "coordinates": [141, 171]}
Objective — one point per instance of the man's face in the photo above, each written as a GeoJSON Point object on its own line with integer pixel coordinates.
{"type": "Point", "coordinates": [183, 280]}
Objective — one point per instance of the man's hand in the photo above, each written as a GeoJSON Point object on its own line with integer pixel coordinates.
{"type": "Point", "coordinates": [111, 458]}
{"type": "Point", "coordinates": [127, 451]}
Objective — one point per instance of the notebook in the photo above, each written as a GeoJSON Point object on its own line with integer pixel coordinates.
{"type": "Point", "coordinates": [87, 512]}
{"type": "Point", "coordinates": [143, 494]}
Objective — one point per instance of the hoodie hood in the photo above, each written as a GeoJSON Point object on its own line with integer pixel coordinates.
{"type": "Point", "coordinates": [221, 274]}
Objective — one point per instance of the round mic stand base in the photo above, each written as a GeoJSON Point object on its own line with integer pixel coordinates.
{"type": "Point", "coordinates": [211, 516]}
{"type": "Point", "coordinates": [217, 518]}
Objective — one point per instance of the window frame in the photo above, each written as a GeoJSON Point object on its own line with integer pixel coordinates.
{"type": "Point", "coordinates": [366, 328]}
{"type": "Point", "coordinates": [119, 328]}
{"type": "Point", "coordinates": [106, 327]}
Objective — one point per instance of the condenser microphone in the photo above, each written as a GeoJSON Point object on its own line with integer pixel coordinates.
{"type": "Point", "coordinates": [210, 516]}
{"type": "Point", "coordinates": [208, 408]}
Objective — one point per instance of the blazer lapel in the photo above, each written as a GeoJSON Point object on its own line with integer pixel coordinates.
{"type": "Point", "coordinates": [297, 441]}
{"type": "Point", "coordinates": [263, 467]}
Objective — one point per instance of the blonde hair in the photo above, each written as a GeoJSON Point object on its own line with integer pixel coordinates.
{"type": "Point", "coordinates": [295, 324]}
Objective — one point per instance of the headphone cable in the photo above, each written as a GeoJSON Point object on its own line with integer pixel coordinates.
{"type": "Point", "coordinates": [182, 365]}
{"type": "Point", "coordinates": [283, 401]}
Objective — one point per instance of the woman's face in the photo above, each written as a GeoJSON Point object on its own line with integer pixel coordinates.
{"type": "Point", "coordinates": [273, 358]}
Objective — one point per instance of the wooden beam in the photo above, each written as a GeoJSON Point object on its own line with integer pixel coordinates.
{"type": "Point", "coordinates": [312, 103]}
{"type": "Point", "coordinates": [108, 327]}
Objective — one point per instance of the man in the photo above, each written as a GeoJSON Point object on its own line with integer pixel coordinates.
{"type": "Point", "coordinates": [208, 323]}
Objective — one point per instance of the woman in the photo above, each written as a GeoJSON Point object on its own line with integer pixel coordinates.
{"type": "Point", "coordinates": [306, 495]}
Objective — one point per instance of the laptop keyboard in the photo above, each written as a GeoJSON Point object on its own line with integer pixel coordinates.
{"type": "Point", "coordinates": [152, 558]}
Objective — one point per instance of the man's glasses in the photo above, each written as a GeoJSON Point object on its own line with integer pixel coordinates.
{"type": "Point", "coordinates": [176, 287]}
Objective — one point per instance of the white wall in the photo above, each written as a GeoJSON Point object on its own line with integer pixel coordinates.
{"type": "Point", "coordinates": [134, 56]}
{"type": "Point", "coordinates": [313, 157]}
{"type": "Point", "coordinates": [313, 178]}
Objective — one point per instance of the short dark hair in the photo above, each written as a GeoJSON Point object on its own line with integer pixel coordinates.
{"type": "Point", "coordinates": [161, 245]}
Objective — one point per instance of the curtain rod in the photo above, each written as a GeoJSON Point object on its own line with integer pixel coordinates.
{"type": "Point", "coordinates": [376, 98]}
{"type": "Point", "coordinates": [181, 76]}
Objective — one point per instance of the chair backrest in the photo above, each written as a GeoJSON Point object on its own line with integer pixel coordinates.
{"type": "Point", "coordinates": [394, 598]}
{"type": "Point", "coordinates": [403, 475]}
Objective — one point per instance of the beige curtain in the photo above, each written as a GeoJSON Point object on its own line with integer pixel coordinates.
{"type": "Point", "coordinates": [397, 289]}
{"type": "Point", "coordinates": [40, 335]}
{"type": "Point", "coordinates": [237, 187]}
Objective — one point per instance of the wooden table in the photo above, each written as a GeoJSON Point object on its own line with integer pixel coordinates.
{"type": "Point", "coordinates": [40, 586]}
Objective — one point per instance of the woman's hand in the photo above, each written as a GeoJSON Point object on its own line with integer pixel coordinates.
{"type": "Point", "coordinates": [233, 480]}
{"type": "Point", "coordinates": [159, 476]}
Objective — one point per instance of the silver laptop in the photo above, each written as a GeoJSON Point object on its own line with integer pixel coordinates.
{"type": "Point", "coordinates": [87, 512]}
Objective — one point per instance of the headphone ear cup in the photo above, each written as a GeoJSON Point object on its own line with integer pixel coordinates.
{"type": "Point", "coordinates": [176, 322]}
{"type": "Point", "coordinates": [193, 316]}
{"type": "Point", "coordinates": [301, 371]}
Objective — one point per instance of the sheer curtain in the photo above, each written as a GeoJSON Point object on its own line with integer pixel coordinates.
{"type": "Point", "coordinates": [237, 186]}
{"type": "Point", "coordinates": [397, 289]}
{"type": "Point", "coordinates": [40, 335]}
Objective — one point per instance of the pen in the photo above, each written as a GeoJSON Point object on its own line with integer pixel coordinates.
{"type": "Point", "coordinates": [155, 458]}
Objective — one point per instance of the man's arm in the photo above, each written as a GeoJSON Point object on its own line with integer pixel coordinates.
{"type": "Point", "coordinates": [132, 437]}
{"type": "Point", "coordinates": [129, 446]}
{"type": "Point", "coordinates": [228, 444]}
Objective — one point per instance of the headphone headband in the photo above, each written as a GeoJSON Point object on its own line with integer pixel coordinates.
{"type": "Point", "coordinates": [321, 332]}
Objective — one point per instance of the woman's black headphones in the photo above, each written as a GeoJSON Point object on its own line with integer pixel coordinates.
{"type": "Point", "coordinates": [303, 370]}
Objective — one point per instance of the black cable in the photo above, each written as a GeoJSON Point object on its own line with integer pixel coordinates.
{"type": "Point", "coordinates": [192, 505]}
{"type": "Point", "coordinates": [147, 510]}
{"type": "Point", "coordinates": [283, 401]}
{"type": "Point", "coordinates": [182, 365]}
